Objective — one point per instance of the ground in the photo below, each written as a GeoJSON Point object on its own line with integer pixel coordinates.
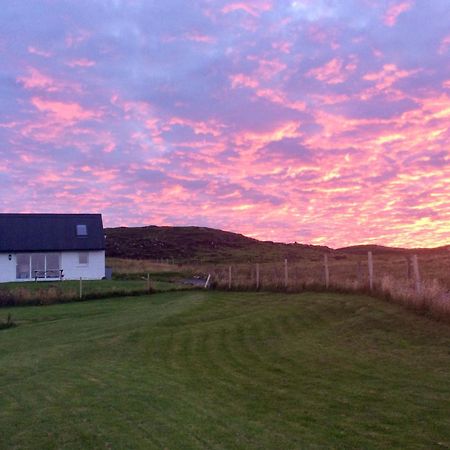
{"type": "Point", "coordinates": [224, 370]}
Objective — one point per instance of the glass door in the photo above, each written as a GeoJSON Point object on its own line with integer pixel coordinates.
{"type": "Point", "coordinates": [38, 265]}
{"type": "Point", "coordinates": [52, 265]}
{"type": "Point", "coordinates": [23, 267]}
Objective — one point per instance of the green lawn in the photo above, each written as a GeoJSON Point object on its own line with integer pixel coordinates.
{"type": "Point", "coordinates": [216, 370]}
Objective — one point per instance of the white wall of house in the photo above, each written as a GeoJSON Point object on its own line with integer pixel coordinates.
{"type": "Point", "coordinates": [88, 265]}
{"type": "Point", "coordinates": [73, 269]}
{"type": "Point", "coordinates": [7, 267]}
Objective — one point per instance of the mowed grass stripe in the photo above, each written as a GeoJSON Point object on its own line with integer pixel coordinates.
{"type": "Point", "coordinates": [224, 370]}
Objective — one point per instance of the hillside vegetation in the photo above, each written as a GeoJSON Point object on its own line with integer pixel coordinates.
{"type": "Point", "coordinates": [199, 244]}
{"type": "Point", "coordinates": [205, 245]}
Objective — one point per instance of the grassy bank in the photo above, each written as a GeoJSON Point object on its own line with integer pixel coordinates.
{"type": "Point", "coordinates": [47, 293]}
{"type": "Point", "coordinates": [224, 370]}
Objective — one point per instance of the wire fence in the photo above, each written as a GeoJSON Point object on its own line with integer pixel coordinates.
{"type": "Point", "coordinates": [399, 280]}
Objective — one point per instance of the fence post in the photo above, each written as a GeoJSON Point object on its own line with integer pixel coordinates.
{"type": "Point", "coordinates": [286, 273]}
{"type": "Point", "coordinates": [148, 282]}
{"type": "Point", "coordinates": [257, 276]}
{"type": "Point", "coordinates": [229, 277]}
{"type": "Point", "coordinates": [408, 267]}
{"type": "Point", "coordinates": [207, 281]}
{"type": "Point", "coordinates": [359, 274]}
{"type": "Point", "coordinates": [417, 281]}
{"type": "Point", "coordinates": [327, 271]}
{"type": "Point", "coordinates": [81, 287]}
{"type": "Point", "coordinates": [370, 263]}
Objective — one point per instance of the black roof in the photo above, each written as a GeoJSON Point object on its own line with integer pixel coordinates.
{"type": "Point", "coordinates": [50, 232]}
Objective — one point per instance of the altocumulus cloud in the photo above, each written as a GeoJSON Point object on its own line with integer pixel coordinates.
{"type": "Point", "coordinates": [313, 121]}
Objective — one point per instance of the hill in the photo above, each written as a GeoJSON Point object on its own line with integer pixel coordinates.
{"type": "Point", "coordinates": [383, 250]}
{"type": "Point", "coordinates": [375, 249]}
{"type": "Point", "coordinates": [202, 244]}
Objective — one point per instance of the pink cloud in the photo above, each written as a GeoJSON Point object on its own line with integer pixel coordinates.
{"type": "Point", "coordinates": [242, 80]}
{"type": "Point", "coordinates": [268, 68]}
{"type": "Point", "coordinates": [102, 175]}
{"type": "Point", "coordinates": [82, 62]}
{"type": "Point", "coordinates": [37, 51]}
{"type": "Point", "coordinates": [8, 124]}
{"type": "Point", "coordinates": [76, 38]}
{"type": "Point", "coordinates": [334, 71]}
{"type": "Point", "coordinates": [323, 36]}
{"type": "Point", "coordinates": [280, 98]}
{"type": "Point", "coordinates": [395, 10]}
{"type": "Point", "coordinates": [195, 36]}
{"type": "Point", "coordinates": [109, 147]}
{"type": "Point", "coordinates": [252, 7]}
{"type": "Point", "coordinates": [283, 46]}
{"type": "Point", "coordinates": [176, 191]}
{"type": "Point", "coordinates": [199, 127]}
{"type": "Point", "coordinates": [66, 111]}
{"type": "Point", "coordinates": [445, 45]}
{"type": "Point", "coordinates": [37, 80]}
{"type": "Point", "coordinates": [257, 140]}
{"type": "Point", "coordinates": [389, 75]}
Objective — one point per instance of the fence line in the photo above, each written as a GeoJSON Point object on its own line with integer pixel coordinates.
{"type": "Point", "coordinates": [370, 264]}
{"type": "Point", "coordinates": [257, 276]}
{"type": "Point", "coordinates": [417, 281]}
{"type": "Point", "coordinates": [327, 271]}
{"type": "Point", "coordinates": [338, 276]}
{"type": "Point", "coordinates": [285, 273]}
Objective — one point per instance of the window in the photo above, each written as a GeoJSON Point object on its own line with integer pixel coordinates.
{"type": "Point", "coordinates": [52, 265]}
{"type": "Point", "coordinates": [81, 230]}
{"type": "Point", "coordinates": [38, 265]}
{"type": "Point", "coordinates": [23, 267]}
{"type": "Point", "coordinates": [42, 265]}
{"type": "Point", "coordinates": [83, 258]}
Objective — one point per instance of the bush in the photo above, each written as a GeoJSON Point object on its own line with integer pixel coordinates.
{"type": "Point", "coordinates": [9, 323]}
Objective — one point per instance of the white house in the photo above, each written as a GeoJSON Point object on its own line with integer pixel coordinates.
{"type": "Point", "coordinates": [51, 247]}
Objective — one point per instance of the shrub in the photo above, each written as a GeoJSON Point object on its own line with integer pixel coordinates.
{"type": "Point", "coordinates": [9, 323]}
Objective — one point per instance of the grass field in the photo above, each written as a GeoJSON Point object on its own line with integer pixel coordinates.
{"type": "Point", "coordinates": [223, 370]}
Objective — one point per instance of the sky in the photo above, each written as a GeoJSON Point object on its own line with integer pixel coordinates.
{"type": "Point", "coordinates": [311, 121]}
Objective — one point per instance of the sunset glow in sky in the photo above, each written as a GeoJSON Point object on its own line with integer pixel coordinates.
{"type": "Point", "coordinates": [316, 121]}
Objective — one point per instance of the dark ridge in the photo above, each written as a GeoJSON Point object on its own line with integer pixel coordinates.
{"type": "Point", "coordinates": [199, 244]}
{"type": "Point", "coordinates": [375, 249]}
{"type": "Point", "coordinates": [381, 250]}
{"type": "Point", "coordinates": [202, 244]}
